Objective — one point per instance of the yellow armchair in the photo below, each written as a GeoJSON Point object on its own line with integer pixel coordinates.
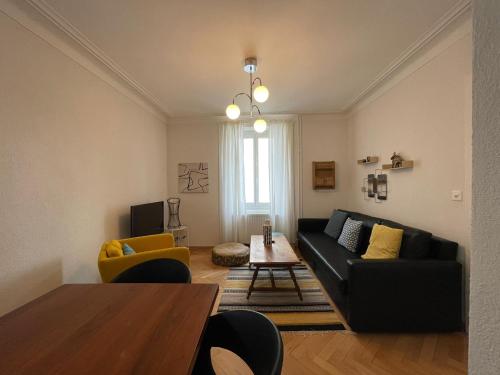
{"type": "Point", "coordinates": [146, 248]}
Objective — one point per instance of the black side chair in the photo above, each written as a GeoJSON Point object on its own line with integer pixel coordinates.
{"type": "Point", "coordinates": [156, 271]}
{"type": "Point", "coordinates": [250, 335]}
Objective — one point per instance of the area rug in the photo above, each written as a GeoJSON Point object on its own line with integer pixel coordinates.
{"type": "Point", "coordinates": [285, 308]}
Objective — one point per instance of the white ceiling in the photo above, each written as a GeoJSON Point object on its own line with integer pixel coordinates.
{"type": "Point", "coordinates": [314, 55]}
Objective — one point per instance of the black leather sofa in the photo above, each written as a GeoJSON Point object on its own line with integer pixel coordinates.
{"type": "Point", "coordinates": [421, 291]}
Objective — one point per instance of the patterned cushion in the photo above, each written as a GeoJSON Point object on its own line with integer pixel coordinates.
{"type": "Point", "coordinates": [350, 234]}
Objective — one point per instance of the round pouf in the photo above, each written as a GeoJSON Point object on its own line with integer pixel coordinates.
{"type": "Point", "coordinates": [230, 254]}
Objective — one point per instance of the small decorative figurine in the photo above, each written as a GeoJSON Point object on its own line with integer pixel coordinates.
{"type": "Point", "coordinates": [397, 160]}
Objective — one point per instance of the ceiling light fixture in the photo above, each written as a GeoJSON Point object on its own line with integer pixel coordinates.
{"type": "Point", "coordinates": [260, 94]}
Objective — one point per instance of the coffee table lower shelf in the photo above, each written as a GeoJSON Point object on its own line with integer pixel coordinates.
{"type": "Point", "coordinates": [273, 286]}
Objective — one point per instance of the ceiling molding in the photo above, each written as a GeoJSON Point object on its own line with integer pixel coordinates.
{"type": "Point", "coordinates": [136, 88]}
{"type": "Point", "coordinates": [453, 14]}
{"type": "Point", "coordinates": [71, 31]}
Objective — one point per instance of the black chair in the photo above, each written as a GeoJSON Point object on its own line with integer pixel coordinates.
{"type": "Point", "coordinates": [156, 271]}
{"type": "Point", "coordinates": [250, 335]}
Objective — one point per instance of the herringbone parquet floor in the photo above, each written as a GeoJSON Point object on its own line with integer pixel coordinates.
{"type": "Point", "coordinates": [345, 352]}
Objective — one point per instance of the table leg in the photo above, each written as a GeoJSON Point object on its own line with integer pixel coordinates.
{"type": "Point", "coordinates": [256, 272]}
{"type": "Point", "coordinates": [271, 275]}
{"type": "Point", "coordinates": [292, 274]}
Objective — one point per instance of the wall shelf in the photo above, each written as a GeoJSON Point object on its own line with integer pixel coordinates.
{"type": "Point", "coordinates": [407, 164]}
{"type": "Point", "coordinates": [372, 160]}
{"type": "Point", "coordinates": [323, 175]}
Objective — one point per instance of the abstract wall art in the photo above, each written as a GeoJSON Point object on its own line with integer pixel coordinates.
{"type": "Point", "coordinates": [193, 177]}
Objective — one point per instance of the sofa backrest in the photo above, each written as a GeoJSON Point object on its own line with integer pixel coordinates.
{"type": "Point", "coordinates": [416, 244]}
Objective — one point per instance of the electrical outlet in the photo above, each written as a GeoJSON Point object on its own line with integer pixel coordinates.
{"type": "Point", "coordinates": [456, 195]}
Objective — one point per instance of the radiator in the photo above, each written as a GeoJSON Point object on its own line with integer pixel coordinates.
{"type": "Point", "coordinates": [254, 224]}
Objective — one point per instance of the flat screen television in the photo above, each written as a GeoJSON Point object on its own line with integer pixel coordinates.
{"type": "Point", "coordinates": [146, 219]}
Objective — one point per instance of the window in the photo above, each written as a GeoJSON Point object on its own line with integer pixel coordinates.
{"type": "Point", "coordinates": [256, 170]}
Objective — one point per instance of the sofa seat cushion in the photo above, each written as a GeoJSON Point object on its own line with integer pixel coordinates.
{"type": "Point", "coordinates": [331, 253]}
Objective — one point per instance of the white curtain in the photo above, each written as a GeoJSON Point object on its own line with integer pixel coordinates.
{"type": "Point", "coordinates": [281, 168]}
{"type": "Point", "coordinates": [231, 182]}
{"type": "Point", "coordinates": [233, 215]}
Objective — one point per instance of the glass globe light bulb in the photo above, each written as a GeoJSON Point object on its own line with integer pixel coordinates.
{"type": "Point", "coordinates": [260, 125]}
{"type": "Point", "coordinates": [233, 111]}
{"type": "Point", "coordinates": [261, 93]}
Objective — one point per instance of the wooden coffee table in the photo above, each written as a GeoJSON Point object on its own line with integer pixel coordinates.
{"type": "Point", "coordinates": [279, 255]}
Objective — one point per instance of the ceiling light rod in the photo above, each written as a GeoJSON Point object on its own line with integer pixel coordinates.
{"type": "Point", "coordinates": [260, 94]}
{"type": "Point", "coordinates": [249, 96]}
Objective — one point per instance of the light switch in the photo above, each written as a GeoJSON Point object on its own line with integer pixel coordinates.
{"type": "Point", "coordinates": [456, 195]}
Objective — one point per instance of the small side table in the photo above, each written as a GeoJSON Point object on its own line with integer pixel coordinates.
{"type": "Point", "coordinates": [181, 235]}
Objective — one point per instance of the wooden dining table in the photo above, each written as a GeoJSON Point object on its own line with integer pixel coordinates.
{"type": "Point", "coordinates": [107, 329]}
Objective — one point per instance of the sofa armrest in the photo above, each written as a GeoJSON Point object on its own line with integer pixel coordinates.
{"type": "Point", "coordinates": [312, 225]}
{"type": "Point", "coordinates": [109, 268]}
{"type": "Point", "coordinates": [404, 295]}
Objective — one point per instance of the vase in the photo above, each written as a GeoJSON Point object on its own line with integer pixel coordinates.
{"type": "Point", "coordinates": [173, 213]}
{"type": "Point", "coordinates": [267, 230]}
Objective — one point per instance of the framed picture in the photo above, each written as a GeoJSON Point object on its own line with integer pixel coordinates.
{"type": "Point", "coordinates": [193, 177]}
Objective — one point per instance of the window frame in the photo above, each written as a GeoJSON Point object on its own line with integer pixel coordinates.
{"type": "Point", "coordinates": [257, 207]}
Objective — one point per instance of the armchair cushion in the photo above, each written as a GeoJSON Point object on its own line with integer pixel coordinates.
{"type": "Point", "coordinates": [113, 250]}
{"type": "Point", "coordinates": [115, 243]}
{"type": "Point", "coordinates": [127, 249]}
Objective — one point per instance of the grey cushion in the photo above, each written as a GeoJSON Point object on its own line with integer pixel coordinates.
{"type": "Point", "coordinates": [349, 237]}
{"type": "Point", "coordinates": [336, 223]}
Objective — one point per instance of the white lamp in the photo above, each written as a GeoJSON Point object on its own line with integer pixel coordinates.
{"type": "Point", "coordinates": [260, 125]}
{"type": "Point", "coordinates": [261, 93]}
{"type": "Point", "coordinates": [233, 111]}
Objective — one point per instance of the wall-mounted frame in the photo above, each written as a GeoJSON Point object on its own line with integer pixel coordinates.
{"type": "Point", "coordinates": [323, 175]}
{"type": "Point", "coordinates": [381, 187]}
{"type": "Point", "coordinates": [372, 186]}
{"type": "Point", "coordinates": [375, 186]}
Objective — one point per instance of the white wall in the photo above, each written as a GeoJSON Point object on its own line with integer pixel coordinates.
{"type": "Point", "coordinates": [196, 140]}
{"type": "Point", "coordinates": [74, 155]}
{"type": "Point", "coordinates": [426, 116]}
{"type": "Point", "coordinates": [324, 138]}
{"type": "Point", "coordinates": [484, 339]}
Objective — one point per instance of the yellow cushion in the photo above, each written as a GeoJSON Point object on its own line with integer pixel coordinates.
{"type": "Point", "coordinates": [116, 243]}
{"type": "Point", "coordinates": [113, 251]}
{"type": "Point", "coordinates": [385, 243]}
